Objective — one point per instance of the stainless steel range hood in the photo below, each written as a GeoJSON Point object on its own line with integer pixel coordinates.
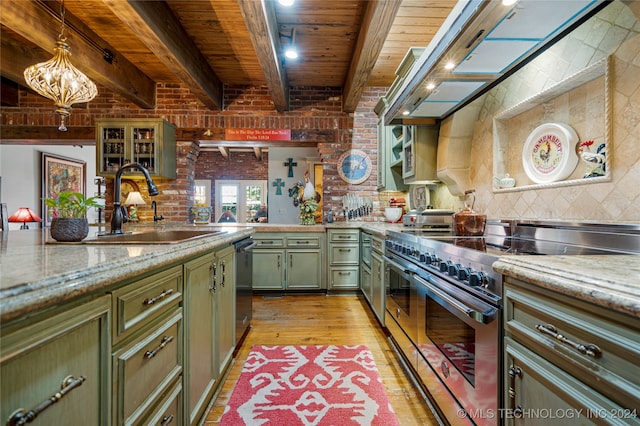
{"type": "Point", "coordinates": [485, 41]}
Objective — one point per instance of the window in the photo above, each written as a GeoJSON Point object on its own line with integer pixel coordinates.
{"type": "Point", "coordinates": [239, 199]}
{"type": "Point", "coordinates": [202, 192]}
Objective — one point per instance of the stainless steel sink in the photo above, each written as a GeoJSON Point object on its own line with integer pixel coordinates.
{"type": "Point", "coordinates": [170, 236]}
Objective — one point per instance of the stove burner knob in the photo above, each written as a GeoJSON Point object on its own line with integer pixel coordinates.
{"type": "Point", "coordinates": [435, 260]}
{"type": "Point", "coordinates": [463, 274]}
{"type": "Point", "coordinates": [423, 257]}
{"type": "Point", "coordinates": [478, 279]}
{"type": "Point", "coordinates": [444, 266]}
{"type": "Point", "coordinates": [453, 269]}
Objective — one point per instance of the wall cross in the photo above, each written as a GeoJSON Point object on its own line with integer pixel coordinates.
{"type": "Point", "coordinates": [278, 183]}
{"type": "Point", "coordinates": [290, 164]}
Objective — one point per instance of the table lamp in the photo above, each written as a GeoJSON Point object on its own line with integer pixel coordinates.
{"type": "Point", "coordinates": [134, 199]}
{"type": "Point", "coordinates": [24, 215]}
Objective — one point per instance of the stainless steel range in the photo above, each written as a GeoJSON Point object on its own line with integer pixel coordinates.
{"type": "Point", "coordinates": [446, 299]}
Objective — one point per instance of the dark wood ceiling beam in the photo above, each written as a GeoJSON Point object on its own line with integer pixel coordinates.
{"type": "Point", "coordinates": [260, 19]}
{"type": "Point", "coordinates": [159, 29]}
{"type": "Point", "coordinates": [376, 24]}
{"type": "Point", "coordinates": [31, 21]}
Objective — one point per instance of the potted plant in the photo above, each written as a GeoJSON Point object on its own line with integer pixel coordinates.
{"type": "Point", "coordinates": [69, 215]}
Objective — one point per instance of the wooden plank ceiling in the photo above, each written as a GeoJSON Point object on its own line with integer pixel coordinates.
{"type": "Point", "coordinates": [205, 44]}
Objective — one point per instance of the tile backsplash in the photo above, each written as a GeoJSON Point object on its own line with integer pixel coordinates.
{"type": "Point", "coordinates": [614, 32]}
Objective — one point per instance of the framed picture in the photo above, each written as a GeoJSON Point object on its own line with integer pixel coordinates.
{"type": "Point", "coordinates": [60, 174]}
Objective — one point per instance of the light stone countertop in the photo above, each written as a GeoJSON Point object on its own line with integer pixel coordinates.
{"type": "Point", "coordinates": [609, 281]}
{"type": "Point", "coordinates": [36, 272]}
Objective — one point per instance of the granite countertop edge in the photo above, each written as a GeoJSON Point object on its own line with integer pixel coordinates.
{"type": "Point", "coordinates": [39, 295]}
{"type": "Point", "coordinates": [610, 283]}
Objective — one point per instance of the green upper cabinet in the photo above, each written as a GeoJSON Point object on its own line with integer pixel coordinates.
{"type": "Point", "coordinates": [419, 154]}
{"type": "Point", "coordinates": [389, 171]}
{"type": "Point", "coordinates": [151, 143]}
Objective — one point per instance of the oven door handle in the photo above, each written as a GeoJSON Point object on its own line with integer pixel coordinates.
{"type": "Point", "coordinates": [483, 317]}
{"type": "Point", "coordinates": [398, 266]}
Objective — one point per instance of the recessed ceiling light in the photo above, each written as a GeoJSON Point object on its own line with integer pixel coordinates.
{"type": "Point", "coordinates": [504, 2]}
{"type": "Point", "coordinates": [405, 112]}
{"type": "Point", "coordinates": [431, 86]}
{"type": "Point", "coordinates": [291, 52]}
{"type": "Point", "coordinates": [449, 65]}
{"type": "Point", "coordinates": [286, 2]}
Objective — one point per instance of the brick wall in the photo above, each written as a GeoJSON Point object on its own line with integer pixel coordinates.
{"type": "Point", "coordinates": [311, 109]}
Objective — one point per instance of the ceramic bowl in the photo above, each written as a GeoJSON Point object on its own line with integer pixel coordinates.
{"type": "Point", "coordinates": [393, 214]}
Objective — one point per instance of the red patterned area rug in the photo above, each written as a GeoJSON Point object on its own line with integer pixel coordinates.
{"type": "Point", "coordinates": [309, 385]}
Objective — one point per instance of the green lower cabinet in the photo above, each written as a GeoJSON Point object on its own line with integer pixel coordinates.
{"type": "Point", "coordinates": [343, 259]}
{"type": "Point", "coordinates": [268, 269]}
{"type": "Point", "coordinates": [378, 291]}
{"type": "Point", "coordinates": [539, 393]}
{"type": "Point", "coordinates": [225, 308]}
{"type": "Point", "coordinates": [39, 355]}
{"type": "Point", "coordinates": [304, 269]}
{"type": "Point", "coordinates": [568, 361]}
{"type": "Point", "coordinates": [210, 323]}
{"type": "Point", "coordinates": [201, 357]}
{"type": "Point", "coordinates": [146, 367]}
{"type": "Point", "coordinates": [288, 261]}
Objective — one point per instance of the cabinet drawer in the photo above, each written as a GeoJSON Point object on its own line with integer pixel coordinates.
{"type": "Point", "coordinates": [138, 303]}
{"type": "Point", "coordinates": [303, 241]}
{"type": "Point", "coordinates": [537, 317]}
{"type": "Point", "coordinates": [346, 277]}
{"type": "Point", "coordinates": [344, 236]}
{"type": "Point", "coordinates": [267, 242]}
{"type": "Point", "coordinates": [145, 368]}
{"type": "Point", "coordinates": [169, 410]}
{"type": "Point", "coordinates": [344, 254]}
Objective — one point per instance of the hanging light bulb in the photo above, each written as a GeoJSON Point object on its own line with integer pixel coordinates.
{"type": "Point", "coordinates": [60, 81]}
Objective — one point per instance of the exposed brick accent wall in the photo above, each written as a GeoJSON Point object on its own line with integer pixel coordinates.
{"type": "Point", "coordinates": [311, 108]}
{"type": "Point", "coordinates": [240, 165]}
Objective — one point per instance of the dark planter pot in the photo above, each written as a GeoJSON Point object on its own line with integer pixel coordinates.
{"type": "Point", "coordinates": [69, 230]}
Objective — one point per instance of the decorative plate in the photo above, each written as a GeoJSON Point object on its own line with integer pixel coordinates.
{"type": "Point", "coordinates": [549, 153]}
{"type": "Point", "coordinates": [354, 166]}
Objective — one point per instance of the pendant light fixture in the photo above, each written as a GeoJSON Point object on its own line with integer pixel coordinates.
{"type": "Point", "coordinates": [60, 81]}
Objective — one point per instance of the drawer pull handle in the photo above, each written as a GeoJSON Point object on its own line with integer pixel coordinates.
{"type": "Point", "coordinates": [303, 242]}
{"type": "Point", "coordinates": [151, 300]}
{"type": "Point", "coordinates": [344, 237]}
{"type": "Point", "coordinates": [166, 420]}
{"type": "Point", "coordinates": [22, 417]}
{"type": "Point", "coordinates": [266, 242]}
{"type": "Point", "coordinates": [164, 342]}
{"type": "Point", "coordinates": [589, 350]}
{"type": "Point", "coordinates": [341, 250]}
{"type": "Point", "coordinates": [513, 373]}
{"type": "Point", "coordinates": [344, 273]}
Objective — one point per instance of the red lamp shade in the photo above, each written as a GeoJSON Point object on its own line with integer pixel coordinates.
{"type": "Point", "coordinates": [24, 215]}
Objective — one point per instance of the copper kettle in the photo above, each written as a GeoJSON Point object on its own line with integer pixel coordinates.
{"type": "Point", "coordinates": [467, 222]}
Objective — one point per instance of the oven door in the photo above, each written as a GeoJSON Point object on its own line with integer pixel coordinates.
{"type": "Point", "coordinates": [399, 301]}
{"type": "Point", "coordinates": [458, 336]}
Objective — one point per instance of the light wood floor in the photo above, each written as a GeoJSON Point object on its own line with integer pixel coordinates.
{"type": "Point", "coordinates": [327, 320]}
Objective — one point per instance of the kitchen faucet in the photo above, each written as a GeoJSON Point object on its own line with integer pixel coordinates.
{"type": "Point", "coordinates": [155, 213]}
{"type": "Point", "coordinates": [118, 218]}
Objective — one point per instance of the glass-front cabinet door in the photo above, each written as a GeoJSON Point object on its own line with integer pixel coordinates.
{"type": "Point", "coordinates": [150, 143]}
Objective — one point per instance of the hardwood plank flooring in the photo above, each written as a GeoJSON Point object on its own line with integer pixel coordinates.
{"type": "Point", "coordinates": [326, 320]}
